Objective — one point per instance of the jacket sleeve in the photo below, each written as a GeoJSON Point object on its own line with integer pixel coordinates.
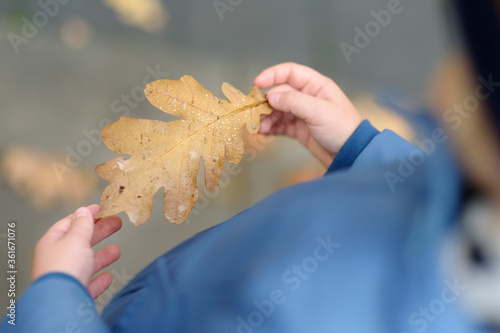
{"type": "Point", "coordinates": [368, 146]}
{"type": "Point", "coordinates": [56, 302]}
{"type": "Point", "coordinates": [353, 146]}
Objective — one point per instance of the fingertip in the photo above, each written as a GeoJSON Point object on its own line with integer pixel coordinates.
{"type": "Point", "coordinates": [94, 209]}
{"type": "Point", "coordinates": [119, 222]}
{"type": "Point", "coordinates": [116, 250]}
{"type": "Point", "coordinates": [99, 284]}
{"type": "Point", "coordinates": [113, 220]}
{"type": "Point", "coordinates": [82, 212]}
{"type": "Point", "coordinates": [83, 224]}
{"type": "Point", "coordinates": [273, 99]}
{"type": "Point", "coordinates": [113, 253]}
{"type": "Point", "coordinates": [259, 81]}
{"type": "Point", "coordinates": [256, 81]}
{"type": "Point", "coordinates": [264, 79]}
{"type": "Point", "coordinates": [107, 276]}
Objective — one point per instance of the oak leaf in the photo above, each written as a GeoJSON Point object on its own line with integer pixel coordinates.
{"type": "Point", "coordinates": [167, 154]}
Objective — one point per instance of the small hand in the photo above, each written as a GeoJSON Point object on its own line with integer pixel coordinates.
{"type": "Point", "coordinates": [309, 107]}
{"type": "Point", "coordinates": [67, 248]}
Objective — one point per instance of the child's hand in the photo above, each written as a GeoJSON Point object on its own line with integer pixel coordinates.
{"type": "Point", "coordinates": [67, 248]}
{"type": "Point", "coordinates": [308, 107]}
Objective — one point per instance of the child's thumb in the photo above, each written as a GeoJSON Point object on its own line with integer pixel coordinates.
{"type": "Point", "coordinates": [83, 225]}
{"type": "Point", "coordinates": [297, 103]}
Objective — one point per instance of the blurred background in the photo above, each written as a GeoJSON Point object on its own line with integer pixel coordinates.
{"type": "Point", "coordinates": [69, 68]}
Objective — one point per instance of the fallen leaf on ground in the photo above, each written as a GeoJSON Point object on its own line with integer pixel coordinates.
{"type": "Point", "coordinates": [31, 173]}
{"type": "Point", "coordinates": [167, 154]}
{"type": "Point", "coordinates": [149, 15]}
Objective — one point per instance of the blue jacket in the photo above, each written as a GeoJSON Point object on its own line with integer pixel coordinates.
{"type": "Point", "coordinates": [355, 251]}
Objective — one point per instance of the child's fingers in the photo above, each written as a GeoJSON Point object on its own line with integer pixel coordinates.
{"type": "Point", "coordinates": [59, 229]}
{"type": "Point", "coordinates": [265, 124]}
{"type": "Point", "coordinates": [280, 88]}
{"type": "Point", "coordinates": [105, 257]}
{"type": "Point", "coordinates": [104, 228]}
{"type": "Point", "coordinates": [301, 105]}
{"type": "Point", "coordinates": [276, 74]}
{"type": "Point", "coordinates": [82, 226]}
{"type": "Point", "coordinates": [99, 284]}
{"type": "Point", "coordinates": [94, 209]}
{"type": "Point", "coordinates": [268, 123]}
{"type": "Point", "coordinates": [298, 76]}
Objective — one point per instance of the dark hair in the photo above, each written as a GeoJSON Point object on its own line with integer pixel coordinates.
{"type": "Point", "coordinates": [480, 21]}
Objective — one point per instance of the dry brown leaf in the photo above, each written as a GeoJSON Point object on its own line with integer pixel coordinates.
{"type": "Point", "coordinates": [167, 154]}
